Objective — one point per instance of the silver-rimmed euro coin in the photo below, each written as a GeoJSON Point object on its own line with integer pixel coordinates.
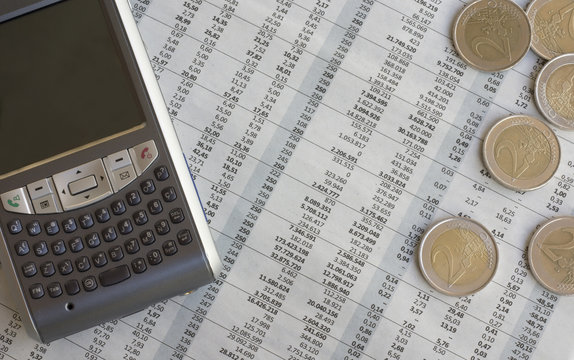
{"type": "Point", "coordinates": [551, 255]}
{"type": "Point", "coordinates": [458, 256]}
{"type": "Point", "coordinates": [521, 152]}
{"type": "Point", "coordinates": [492, 35]}
{"type": "Point", "coordinates": [552, 24]}
{"type": "Point", "coordinates": [554, 91]}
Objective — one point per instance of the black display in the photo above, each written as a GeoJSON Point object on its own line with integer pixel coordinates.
{"type": "Point", "coordinates": [51, 102]}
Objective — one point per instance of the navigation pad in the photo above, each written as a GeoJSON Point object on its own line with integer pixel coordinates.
{"type": "Point", "coordinates": [81, 185]}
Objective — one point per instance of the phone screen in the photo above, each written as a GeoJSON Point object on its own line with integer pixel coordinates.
{"type": "Point", "coordinates": [62, 83]}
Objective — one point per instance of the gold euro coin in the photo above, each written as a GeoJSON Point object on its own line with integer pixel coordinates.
{"type": "Point", "coordinates": [552, 24]}
{"type": "Point", "coordinates": [551, 255]}
{"type": "Point", "coordinates": [521, 152]}
{"type": "Point", "coordinates": [492, 35]}
{"type": "Point", "coordinates": [458, 256]}
{"type": "Point", "coordinates": [554, 91]}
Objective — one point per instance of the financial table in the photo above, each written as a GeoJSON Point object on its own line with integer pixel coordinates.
{"type": "Point", "coordinates": [325, 137]}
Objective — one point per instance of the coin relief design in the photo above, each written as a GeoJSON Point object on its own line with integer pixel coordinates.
{"type": "Point", "coordinates": [554, 91]}
{"type": "Point", "coordinates": [558, 247]}
{"type": "Point", "coordinates": [553, 27]}
{"type": "Point", "coordinates": [521, 152]}
{"type": "Point", "coordinates": [492, 35]}
{"type": "Point", "coordinates": [551, 255]}
{"type": "Point", "coordinates": [560, 91]}
{"type": "Point", "coordinates": [458, 256]}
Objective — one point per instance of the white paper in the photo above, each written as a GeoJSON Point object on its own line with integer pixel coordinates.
{"type": "Point", "coordinates": [324, 138]}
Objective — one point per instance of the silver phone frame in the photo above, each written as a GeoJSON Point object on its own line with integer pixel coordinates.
{"type": "Point", "coordinates": [151, 87]}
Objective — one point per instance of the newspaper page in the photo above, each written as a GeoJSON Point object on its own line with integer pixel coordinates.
{"type": "Point", "coordinates": [325, 137]}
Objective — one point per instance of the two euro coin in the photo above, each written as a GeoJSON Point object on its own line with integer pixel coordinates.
{"type": "Point", "coordinates": [551, 255]}
{"type": "Point", "coordinates": [492, 35]}
{"type": "Point", "coordinates": [521, 152]}
{"type": "Point", "coordinates": [554, 91]}
{"type": "Point", "coordinates": [552, 27]}
{"type": "Point", "coordinates": [458, 256]}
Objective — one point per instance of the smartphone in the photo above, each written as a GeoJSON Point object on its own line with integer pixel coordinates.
{"type": "Point", "coordinates": [100, 217]}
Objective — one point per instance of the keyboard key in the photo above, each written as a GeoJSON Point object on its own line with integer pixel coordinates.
{"type": "Point", "coordinates": [22, 247]}
{"type": "Point", "coordinates": [139, 266]}
{"type": "Point", "coordinates": [93, 240]}
{"type": "Point", "coordinates": [99, 259]}
{"type": "Point", "coordinates": [140, 217]}
{"type": "Point", "coordinates": [65, 267]}
{"type": "Point", "coordinates": [162, 227]}
{"type": "Point", "coordinates": [133, 198]}
{"type": "Point", "coordinates": [116, 253]}
{"type": "Point", "coordinates": [169, 194]}
{"type": "Point", "coordinates": [36, 291]}
{"type": "Point", "coordinates": [103, 215]}
{"type": "Point", "coordinates": [154, 257]}
{"type": "Point", "coordinates": [69, 225]}
{"type": "Point", "coordinates": [34, 228]}
{"type": "Point", "coordinates": [155, 207]}
{"type": "Point", "coordinates": [83, 263]}
{"type": "Point", "coordinates": [176, 215]}
{"type": "Point", "coordinates": [47, 269]}
{"type": "Point", "coordinates": [147, 186]}
{"type": "Point", "coordinates": [58, 247]}
{"type": "Point", "coordinates": [118, 207]}
{"type": "Point", "coordinates": [90, 283]}
{"type": "Point", "coordinates": [161, 173]}
{"type": "Point", "coordinates": [109, 234]}
{"type": "Point", "coordinates": [86, 221]}
{"type": "Point", "coordinates": [52, 227]}
{"type": "Point", "coordinates": [147, 237]}
{"type": "Point", "coordinates": [169, 248]}
{"type": "Point", "coordinates": [29, 269]}
{"type": "Point", "coordinates": [40, 248]}
{"type": "Point", "coordinates": [132, 246]}
{"type": "Point", "coordinates": [184, 237]}
{"type": "Point", "coordinates": [54, 289]}
{"type": "Point", "coordinates": [115, 275]}
{"type": "Point", "coordinates": [15, 227]}
{"type": "Point", "coordinates": [72, 287]}
{"type": "Point", "coordinates": [125, 227]}
{"type": "Point", "coordinates": [76, 244]}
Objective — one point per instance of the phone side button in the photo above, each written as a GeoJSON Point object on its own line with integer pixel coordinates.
{"type": "Point", "coordinates": [143, 155]}
{"type": "Point", "coordinates": [120, 169]}
{"type": "Point", "coordinates": [114, 276]}
{"type": "Point", "coordinates": [17, 201]}
{"type": "Point", "coordinates": [44, 198]}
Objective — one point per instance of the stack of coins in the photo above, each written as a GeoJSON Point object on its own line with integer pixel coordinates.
{"type": "Point", "coordinates": [458, 256]}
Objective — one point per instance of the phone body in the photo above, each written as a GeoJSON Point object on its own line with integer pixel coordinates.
{"type": "Point", "coordinates": [100, 217]}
